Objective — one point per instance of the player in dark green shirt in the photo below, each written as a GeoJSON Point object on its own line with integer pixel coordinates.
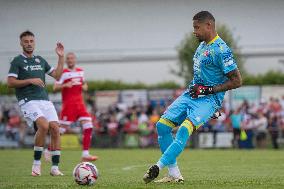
{"type": "Point", "coordinates": [27, 75]}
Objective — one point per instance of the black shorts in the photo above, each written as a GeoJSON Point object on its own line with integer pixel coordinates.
{"type": "Point", "coordinates": [236, 132]}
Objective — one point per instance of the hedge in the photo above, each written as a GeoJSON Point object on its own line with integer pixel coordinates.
{"type": "Point", "coordinates": [107, 85]}
{"type": "Point", "coordinates": [270, 78]}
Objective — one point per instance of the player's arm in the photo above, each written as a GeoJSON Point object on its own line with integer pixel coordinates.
{"type": "Point", "coordinates": [58, 87]}
{"type": "Point", "coordinates": [13, 82]}
{"type": "Point", "coordinates": [235, 81]}
{"type": "Point", "coordinates": [57, 72]}
{"type": "Point", "coordinates": [85, 86]}
{"type": "Point", "coordinates": [229, 67]}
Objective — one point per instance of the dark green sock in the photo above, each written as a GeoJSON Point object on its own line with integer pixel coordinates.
{"type": "Point", "coordinates": [55, 160]}
{"type": "Point", "coordinates": [37, 152]}
{"type": "Point", "coordinates": [55, 156]}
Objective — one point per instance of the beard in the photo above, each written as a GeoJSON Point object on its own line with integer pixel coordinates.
{"type": "Point", "coordinates": [199, 39]}
{"type": "Point", "coordinates": [28, 50]}
{"type": "Point", "coordinates": [71, 66]}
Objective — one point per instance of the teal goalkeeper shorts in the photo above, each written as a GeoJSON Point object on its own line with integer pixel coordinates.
{"type": "Point", "coordinates": [198, 110]}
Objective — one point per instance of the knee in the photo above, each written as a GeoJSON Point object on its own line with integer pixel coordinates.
{"type": "Point", "coordinates": [187, 126]}
{"type": "Point", "coordinates": [43, 128]}
{"type": "Point", "coordinates": [54, 129]}
{"type": "Point", "coordinates": [182, 136]}
{"type": "Point", "coordinates": [164, 127]}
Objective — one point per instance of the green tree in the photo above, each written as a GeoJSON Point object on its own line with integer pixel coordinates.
{"type": "Point", "coordinates": [189, 44]}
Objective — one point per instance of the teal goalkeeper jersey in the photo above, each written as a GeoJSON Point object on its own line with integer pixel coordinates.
{"type": "Point", "coordinates": [212, 62]}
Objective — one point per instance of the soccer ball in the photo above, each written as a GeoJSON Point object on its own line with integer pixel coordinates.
{"type": "Point", "coordinates": [85, 173]}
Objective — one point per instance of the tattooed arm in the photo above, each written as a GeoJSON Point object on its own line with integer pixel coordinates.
{"type": "Point", "coordinates": [235, 81]}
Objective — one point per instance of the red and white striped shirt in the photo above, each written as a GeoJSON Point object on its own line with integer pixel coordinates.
{"type": "Point", "coordinates": [72, 95]}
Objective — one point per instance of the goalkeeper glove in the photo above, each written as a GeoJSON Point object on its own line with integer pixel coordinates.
{"type": "Point", "coordinates": [216, 115]}
{"type": "Point", "coordinates": [197, 91]}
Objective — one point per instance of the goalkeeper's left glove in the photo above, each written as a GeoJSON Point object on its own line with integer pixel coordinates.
{"type": "Point", "coordinates": [197, 90]}
{"type": "Point", "coordinates": [216, 115]}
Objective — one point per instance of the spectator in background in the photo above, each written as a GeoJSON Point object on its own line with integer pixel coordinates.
{"type": "Point", "coordinates": [275, 106]}
{"type": "Point", "coordinates": [261, 129]}
{"type": "Point", "coordinates": [236, 120]}
{"type": "Point", "coordinates": [112, 127]}
{"type": "Point", "coordinates": [145, 131]}
{"type": "Point", "coordinates": [154, 117]}
{"type": "Point", "coordinates": [273, 130]}
{"type": "Point", "coordinates": [248, 126]}
{"type": "Point", "coordinates": [2, 125]}
{"type": "Point", "coordinates": [12, 128]}
{"type": "Point", "coordinates": [142, 117]}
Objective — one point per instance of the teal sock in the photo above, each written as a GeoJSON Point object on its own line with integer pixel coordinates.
{"type": "Point", "coordinates": [165, 137]}
{"type": "Point", "coordinates": [176, 147]}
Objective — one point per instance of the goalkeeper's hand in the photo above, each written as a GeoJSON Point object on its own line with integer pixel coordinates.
{"type": "Point", "coordinates": [216, 115]}
{"type": "Point", "coordinates": [197, 90]}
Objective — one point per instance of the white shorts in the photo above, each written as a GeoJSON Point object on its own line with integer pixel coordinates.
{"type": "Point", "coordinates": [34, 109]}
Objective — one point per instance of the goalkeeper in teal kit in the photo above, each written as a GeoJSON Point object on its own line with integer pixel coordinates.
{"type": "Point", "coordinates": [215, 72]}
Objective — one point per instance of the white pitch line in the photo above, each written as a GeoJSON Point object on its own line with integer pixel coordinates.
{"type": "Point", "coordinates": [128, 168]}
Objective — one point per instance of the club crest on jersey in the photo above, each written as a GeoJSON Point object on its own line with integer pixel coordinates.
{"type": "Point", "coordinates": [206, 53]}
{"type": "Point", "coordinates": [37, 60]}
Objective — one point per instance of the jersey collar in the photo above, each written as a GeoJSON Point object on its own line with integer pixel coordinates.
{"type": "Point", "coordinates": [74, 70]}
{"type": "Point", "coordinates": [213, 40]}
{"type": "Point", "coordinates": [25, 55]}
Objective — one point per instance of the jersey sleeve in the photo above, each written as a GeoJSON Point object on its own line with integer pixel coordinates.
{"type": "Point", "coordinates": [226, 60]}
{"type": "Point", "coordinates": [60, 80]}
{"type": "Point", "coordinates": [48, 69]}
{"type": "Point", "coordinates": [83, 77]}
{"type": "Point", "coordinates": [14, 69]}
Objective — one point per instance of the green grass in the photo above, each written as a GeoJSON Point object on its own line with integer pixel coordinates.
{"type": "Point", "coordinates": [124, 169]}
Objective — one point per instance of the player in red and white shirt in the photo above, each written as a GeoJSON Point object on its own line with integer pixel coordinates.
{"type": "Point", "coordinates": [72, 84]}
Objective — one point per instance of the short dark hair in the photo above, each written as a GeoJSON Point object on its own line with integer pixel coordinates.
{"type": "Point", "coordinates": [203, 15]}
{"type": "Point", "coordinates": [26, 33]}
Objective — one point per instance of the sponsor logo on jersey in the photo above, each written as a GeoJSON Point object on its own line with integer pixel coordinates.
{"type": "Point", "coordinates": [37, 60]}
{"type": "Point", "coordinates": [76, 81]}
{"type": "Point", "coordinates": [33, 67]}
{"type": "Point", "coordinates": [198, 119]}
{"type": "Point", "coordinates": [26, 68]}
{"type": "Point", "coordinates": [228, 63]}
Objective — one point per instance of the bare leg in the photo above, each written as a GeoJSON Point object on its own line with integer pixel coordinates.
{"type": "Point", "coordinates": [41, 133]}
{"type": "Point", "coordinates": [54, 136]}
{"type": "Point", "coordinates": [42, 129]}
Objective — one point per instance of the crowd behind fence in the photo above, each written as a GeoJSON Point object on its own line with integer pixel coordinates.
{"type": "Point", "coordinates": [248, 125]}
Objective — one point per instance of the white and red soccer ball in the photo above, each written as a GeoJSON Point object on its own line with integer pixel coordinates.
{"type": "Point", "coordinates": [85, 173]}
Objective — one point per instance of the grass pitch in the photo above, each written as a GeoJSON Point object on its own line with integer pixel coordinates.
{"type": "Point", "coordinates": [122, 169]}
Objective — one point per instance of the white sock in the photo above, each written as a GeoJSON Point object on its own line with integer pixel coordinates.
{"type": "Point", "coordinates": [54, 167]}
{"type": "Point", "coordinates": [37, 162]}
{"type": "Point", "coordinates": [46, 150]}
{"type": "Point", "coordinates": [174, 171]}
{"type": "Point", "coordinates": [85, 153]}
{"type": "Point", "coordinates": [160, 165]}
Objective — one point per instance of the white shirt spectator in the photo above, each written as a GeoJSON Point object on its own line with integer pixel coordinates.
{"type": "Point", "coordinates": [261, 124]}
{"type": "Point", "coordinates": [143, 118]}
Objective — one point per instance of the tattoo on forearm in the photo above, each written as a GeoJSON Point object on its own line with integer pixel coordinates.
{"type": "Point", "coordinates": [234, 81]}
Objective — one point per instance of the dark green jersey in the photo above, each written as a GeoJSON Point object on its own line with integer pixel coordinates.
{"type": "Point", "coordinates": [22, 68]}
